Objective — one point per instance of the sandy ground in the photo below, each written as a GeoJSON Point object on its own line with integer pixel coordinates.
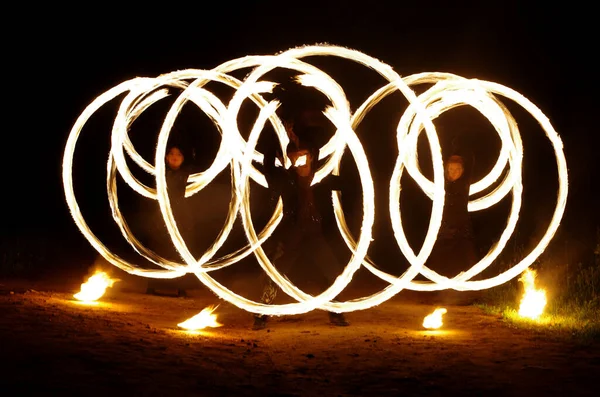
{"type": "Point", "coordinates": [129, 344]}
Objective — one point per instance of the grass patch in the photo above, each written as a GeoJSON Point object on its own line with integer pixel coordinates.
{"type": "Point", "coordinates": [573, 308]}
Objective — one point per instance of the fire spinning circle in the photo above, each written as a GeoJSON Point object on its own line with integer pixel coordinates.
{"type": "Point", "coordinates": [447, 91]}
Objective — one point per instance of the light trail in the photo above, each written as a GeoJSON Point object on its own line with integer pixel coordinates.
{"type": "Point", "coordinates": [447, 91]}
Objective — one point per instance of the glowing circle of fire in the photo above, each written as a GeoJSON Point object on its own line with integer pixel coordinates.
{"type": "Point", "coordinates": [448, 91]}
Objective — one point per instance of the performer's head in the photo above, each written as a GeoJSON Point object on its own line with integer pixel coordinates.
{"type": "Point", "coordinates": [174, 157]}
{"type": "Point", "coordinates": [455, 168]}
{"type": "Point", "coordinates": [302, 162]}
{"type": "Point", "coordinates": [304, 157]}
{"type": "Point", "coordinates": [301, 107]}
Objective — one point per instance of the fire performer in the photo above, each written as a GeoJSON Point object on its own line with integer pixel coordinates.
{"type": "Point", "coordinates": [299, 244]}
{"type": "Point", "coordinates": [455, 249]}
{"type": "Point", "coordinates": [177, 173]}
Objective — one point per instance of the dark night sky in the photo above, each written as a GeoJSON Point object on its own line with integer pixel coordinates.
{"type": "Point", "coordinates": [67, 58]}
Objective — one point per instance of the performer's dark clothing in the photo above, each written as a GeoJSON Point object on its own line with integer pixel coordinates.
{"type": "Point", "coordinates": [176, 185]}
{"type": "Point", "coordinates": [298, 246]}
{"type": "Point", "coordinates": [456, 221]}
{"type": "Point", "coordinates": [160, 240]}
{"type": "Point", "coordinates": [454, 250]}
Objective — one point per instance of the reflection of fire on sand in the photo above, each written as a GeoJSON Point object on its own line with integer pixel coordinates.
{"type": "Point", "coordinates": [131, 344]}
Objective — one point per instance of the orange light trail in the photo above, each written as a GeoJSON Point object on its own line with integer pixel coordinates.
{"type": "Point", "coordinates": [446, 91]}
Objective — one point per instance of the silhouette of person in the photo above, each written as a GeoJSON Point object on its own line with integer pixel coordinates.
{"type": "Point", "coordinates": [177, 173]}
{"type": "Point", "coordinates": [299, 243]}
{"type": "Point", "coordinates": [454, 250]}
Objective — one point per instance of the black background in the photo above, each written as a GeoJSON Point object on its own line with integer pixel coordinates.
{"type": "Point", "coordinates": [58, 60]}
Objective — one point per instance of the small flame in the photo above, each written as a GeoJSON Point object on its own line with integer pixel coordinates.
{"type": "Point", "coordinates": [534, 300]}
{"type": "Point", "coordinates": [204, 319]}
{"type": "Point", "coordinates": [434, 320]}
{"type": "Point", "coordinates": [94, 287]}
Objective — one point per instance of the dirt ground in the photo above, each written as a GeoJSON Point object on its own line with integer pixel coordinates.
{"type": "Point", "coordinates": [129, 344]}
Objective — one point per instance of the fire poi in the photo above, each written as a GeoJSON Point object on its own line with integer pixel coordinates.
{"type": "Point", "coordinates": [95, 287]}
{"type": "Point", "coordinates": [434, 320]}
{"type": "Point", "coordinates": [202, 320]}
{"type": "Point", "coordinates": [446, 91]}
{"type": "Point", "coordinates": [533, 301]}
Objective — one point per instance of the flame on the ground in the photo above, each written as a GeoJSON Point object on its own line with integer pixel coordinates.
{"type": "Point", "coordinates": [534, 300]}
{"type": "Point", "coordinates": [95, 287]}
{"type": "Point", "coordinates": [434, 320]}
{"type": "Point", "coordinates": [204, 319]}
